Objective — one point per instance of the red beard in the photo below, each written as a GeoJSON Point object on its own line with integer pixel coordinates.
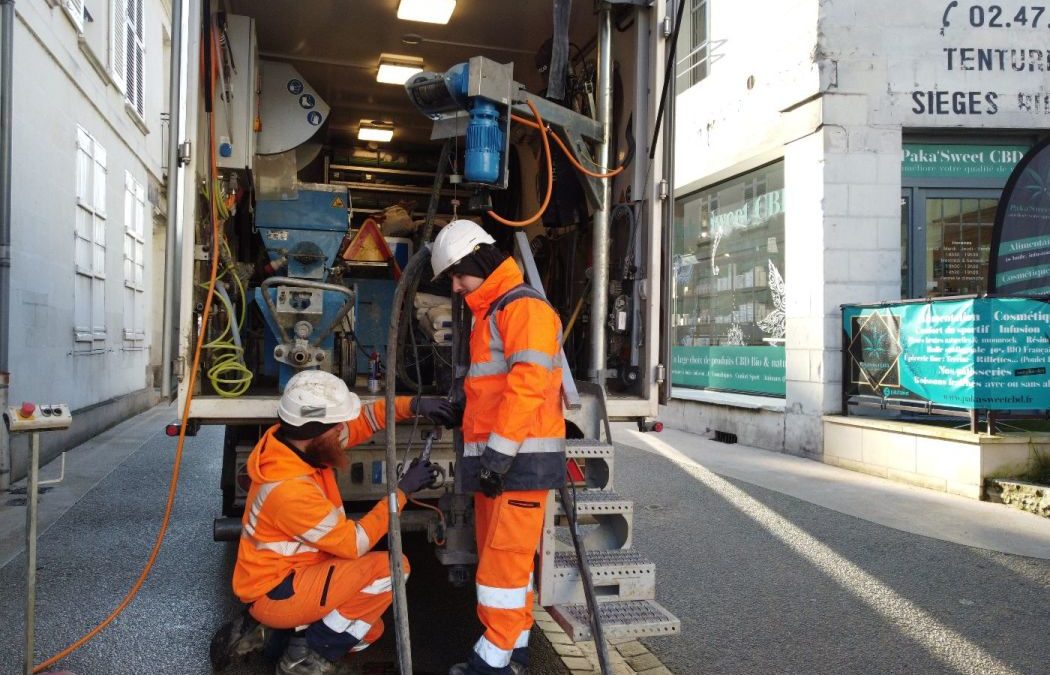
{"type": "Point", "coordinates": [328, 451]}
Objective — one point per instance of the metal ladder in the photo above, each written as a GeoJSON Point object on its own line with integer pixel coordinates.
{"type": "Point", "coordinates": [624, 579]}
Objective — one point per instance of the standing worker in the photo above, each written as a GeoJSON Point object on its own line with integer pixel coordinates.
{"type": "Point", "coordinates": [301, 563]}
{"type": "Point", "coordinates": [513, 433]}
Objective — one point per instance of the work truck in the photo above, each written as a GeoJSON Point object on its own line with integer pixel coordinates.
{"type": "Point", "coordinates": [320, 146]}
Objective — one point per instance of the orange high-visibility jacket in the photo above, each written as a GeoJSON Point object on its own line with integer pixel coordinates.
{"type": "Point", "coordinates": [294, 515]}
{"type": "Point", "coordinates": [513, 420]}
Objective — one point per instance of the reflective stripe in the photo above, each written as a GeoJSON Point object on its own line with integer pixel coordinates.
{"type": "Point", "coordinates": [523, 639]}
{"type": "Point", "coordinates": [285, 548]}
{"type": "Point", "coordinates": [491, 654]}
{"type": "Point", "coordinates": [378, 587]}
{"type": "Point", "coordinates": [502, 445]}
{"type": "Point", "coordinates": [336, 621]}
{"type": "Point", "coordinates": [340, 624]}
{"type": "Point", "coordinates": [363, 542]}
{"type": "Point", "coordinates": [360, 647]}
{"type": "Point", "coordinates": [322, 528]}
{"type": "Point", "coordinates": [533, 356]}
{"type": "Point", "coordinates": [370, 417]}
{"type": "Point", "coordinates": [502, 598]}
{"type": "Point", "coordinates": [256, 508]}
{"type": "Point", "coordinates": [495, 340]}
{"type": "Point", "coordinates": [359, 629]}
{"type": "Point", "coordinates": [528, 446]}
{"type": "Point", "coordinates": [487, 368]}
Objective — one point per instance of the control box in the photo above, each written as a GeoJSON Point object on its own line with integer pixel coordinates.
{"type": "Point", "coordinates": [33, 417]}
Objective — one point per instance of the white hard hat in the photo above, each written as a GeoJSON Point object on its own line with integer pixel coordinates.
{"type": "Point", "coordinates": [317, 396]}
{"type": "Point", "coordinates": [454, 242]}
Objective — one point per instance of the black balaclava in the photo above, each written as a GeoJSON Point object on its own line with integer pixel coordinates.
{"type": "Point", "coordinates": [304, 432]}
{"type": "Point", "coordinates": [482, 262]}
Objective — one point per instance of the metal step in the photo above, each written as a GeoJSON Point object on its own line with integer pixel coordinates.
{"type": "Point", "coordinates": [617, 575]}
{"type": "Point", "coordinates": [620, 619]}
{"type": "Point", "coordinates": [597, 460]}
{"type": "Point", "coordinates": [598, 502]}
{"type": "Point", "coordinates": [587, 448]}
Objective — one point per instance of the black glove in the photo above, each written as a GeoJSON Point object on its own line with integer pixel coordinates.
{"type": "Point", "coordinates": [438, 410]}
{"type": "Point", "coordinates": [491, 483]}
{"type": "Point", "coordinates": [418, 476]}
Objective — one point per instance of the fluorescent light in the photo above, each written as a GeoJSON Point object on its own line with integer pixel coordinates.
{"type": "Point", "coordinates": [427, 11]}
{"type": "Point", "coordinates": [397, 69]}
{"type": "Point", "coordinates": [375, 131]}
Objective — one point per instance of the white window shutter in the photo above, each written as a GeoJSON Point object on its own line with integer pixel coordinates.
{"type": "Point", "coordinates": [75, 11]}
{"type": "Point", "coordinates": [118, 44]}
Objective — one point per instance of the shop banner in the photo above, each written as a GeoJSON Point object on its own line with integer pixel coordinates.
{"type": "Point", "coordinates": [749, 370]}
{"type": "Point", "coordinates": [985, 353]}
{"type": "Point", "coordinates": [950, 160]}
{"type": "Point", "coordinates": [1020, 255]}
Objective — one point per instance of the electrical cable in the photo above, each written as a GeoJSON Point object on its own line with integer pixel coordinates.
{"type": "Point", "coordinates": [550, 176]}
{"type": "Point", "coordinates": [173, 485]}
{"type": "Point", "coordinates": [568, 153]}
{"type": "Point", "coordinates": [228, 374]}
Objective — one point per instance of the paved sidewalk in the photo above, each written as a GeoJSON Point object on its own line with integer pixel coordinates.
{"type": "Point", "coordinates": [907, 508]}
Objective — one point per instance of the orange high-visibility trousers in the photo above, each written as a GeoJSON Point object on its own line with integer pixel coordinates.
{"type": "Point", "coordinates": [340, 600]}
{"type": "Point", "coordinates": [508, 531]}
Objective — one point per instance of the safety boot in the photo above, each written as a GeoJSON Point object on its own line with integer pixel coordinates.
{"type": "Point", "coordinates": [239, 637]}
{"type": "Point", "coordinates": [300, 659]}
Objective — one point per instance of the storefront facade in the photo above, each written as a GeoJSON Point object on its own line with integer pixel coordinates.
{"type": "Point", "coordinates": [831, 153]}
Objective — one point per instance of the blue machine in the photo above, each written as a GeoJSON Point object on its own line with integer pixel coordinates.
{"type": "Point", "coordinates": [302, 238]}
{"type": "Point", "coordinates": [484, 89]}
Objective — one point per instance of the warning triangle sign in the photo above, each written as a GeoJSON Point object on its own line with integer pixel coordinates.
{"type": "Point", "coordinates": [337, 203]}
{"type": "Point", "coordinates": [369, 246]}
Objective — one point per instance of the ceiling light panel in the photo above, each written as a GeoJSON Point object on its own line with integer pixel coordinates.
{"type": "Point", "coordinates": [397, 69]}
{"type": "Point", "coordinates": [427, 11]}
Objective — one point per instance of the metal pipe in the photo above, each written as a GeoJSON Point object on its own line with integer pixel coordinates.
{"type": "Point", "coordinates": [167, 337]}
{"type": "Point", "coordinates": [7, 29]}
{"type": "Point", "coordinates": [600, 265]}
{"type": "Point", "coordinates": [671, 91]}
{"type": "Point", "coordinates": [31, 497]}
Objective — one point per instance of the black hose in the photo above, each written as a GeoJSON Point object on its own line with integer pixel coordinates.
{"type": "Point", "coordinates": [568, 502]}
{"type": "Point", "coordinates": [397, 575]}
{"type": "Point", "coordinates": [668, 74]}
{"type": "Point", "coordinates": [408, 313]}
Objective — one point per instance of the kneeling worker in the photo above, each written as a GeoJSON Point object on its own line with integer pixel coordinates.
{"type": "Point", "coordinates": [301, 563]}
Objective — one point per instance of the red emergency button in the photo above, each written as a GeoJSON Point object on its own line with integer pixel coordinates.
{"type": "Point", "coordinates": [27, 410]}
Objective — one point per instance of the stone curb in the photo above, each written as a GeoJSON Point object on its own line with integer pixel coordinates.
{"type": "Point", "coordinates": [627, 656]}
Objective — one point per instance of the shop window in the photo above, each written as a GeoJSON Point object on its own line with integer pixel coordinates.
{"type": "Point", "coordinates": [728, 321]}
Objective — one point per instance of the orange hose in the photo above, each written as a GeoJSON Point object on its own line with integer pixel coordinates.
{"type": "Point", "coordinates": [441, 517]}
{"type": "Point", "coordinates": [172, 487]}
{"type": "Point", "coordinates": [550, 178]}
{"type": "Point", "coordinates": [568, 153]}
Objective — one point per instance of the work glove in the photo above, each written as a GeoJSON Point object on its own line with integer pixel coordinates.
{"type": "Point", "coordinates": [438, 410]}
{"type": "Point", "coordinates": [491, 481]}
{"type": "Point", "coordinates": [418, 476]}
